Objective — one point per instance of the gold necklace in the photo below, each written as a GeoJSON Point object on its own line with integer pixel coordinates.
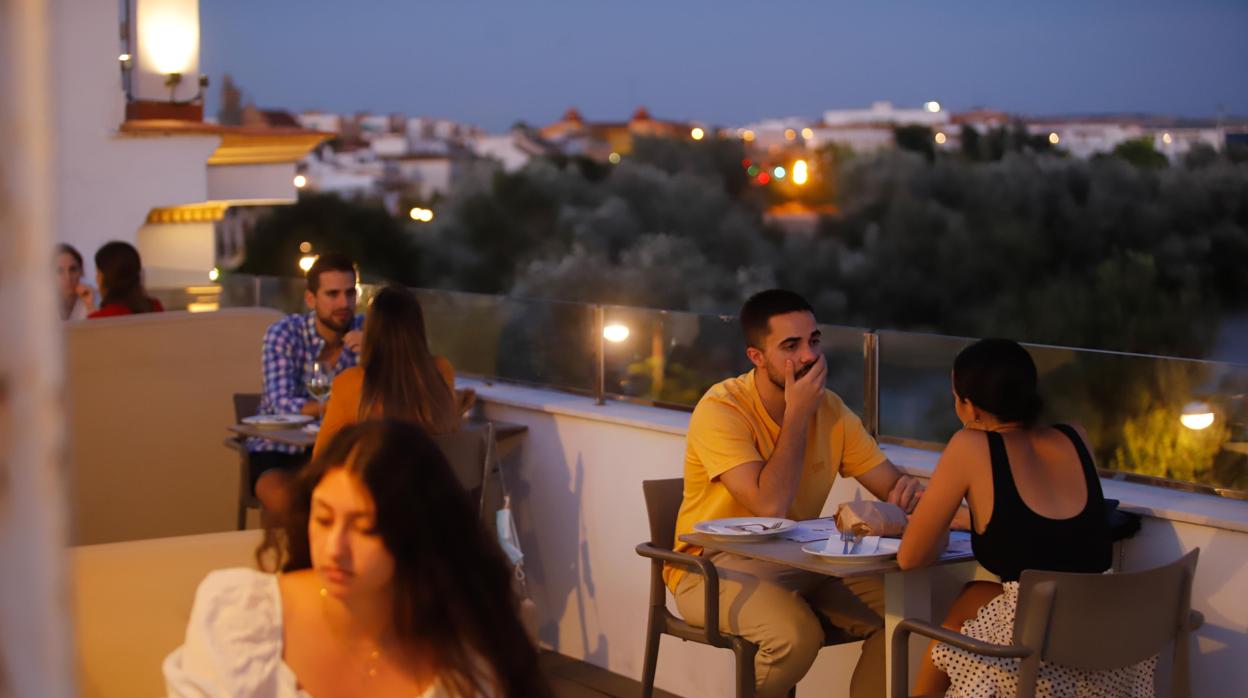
{"type": "Point", "coordinates": [374, 655]}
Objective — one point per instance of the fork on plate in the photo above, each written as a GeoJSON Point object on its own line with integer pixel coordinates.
{"type": "Point", "coordinates": [851, 539]}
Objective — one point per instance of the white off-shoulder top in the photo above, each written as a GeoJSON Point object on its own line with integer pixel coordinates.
{"type": "Point", "coordinates": [233, 646]}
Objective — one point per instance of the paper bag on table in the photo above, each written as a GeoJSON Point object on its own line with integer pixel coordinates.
{"type": "Point", "coordinates": [874, 518]}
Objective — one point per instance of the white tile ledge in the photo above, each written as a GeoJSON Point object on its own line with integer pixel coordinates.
{"type": "Point", "coordinates": [1156, 502]}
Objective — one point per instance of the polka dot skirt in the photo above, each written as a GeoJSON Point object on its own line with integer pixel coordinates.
{"type": "Point", "coordinates": [975, 676]}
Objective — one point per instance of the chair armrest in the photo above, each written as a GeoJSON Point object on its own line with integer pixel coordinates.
{"type": "Point", "coordinates": [698, 565]}
{"type": "Point", "coordinates": [901, 649]}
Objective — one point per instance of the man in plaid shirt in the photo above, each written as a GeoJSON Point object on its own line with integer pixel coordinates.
{"type": "Point", "coordinates": [328, 333]}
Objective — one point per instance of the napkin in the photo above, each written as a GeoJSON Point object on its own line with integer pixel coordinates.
{"type": "Point", "coordinates": [877, 518]}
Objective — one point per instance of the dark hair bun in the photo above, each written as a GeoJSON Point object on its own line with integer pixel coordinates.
{"type": "Point", "coordinates": [999, 377]}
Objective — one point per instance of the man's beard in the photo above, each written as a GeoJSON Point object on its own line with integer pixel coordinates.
{"type": "Point", "coordinates": [340, 327]}
{"type": "Point", "coordinates": [779, 382]}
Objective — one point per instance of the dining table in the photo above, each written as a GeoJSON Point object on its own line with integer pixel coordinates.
{"type": "Point", "coordinates": [907, 593]}
{"type": "Point", "coordinates": [306, 438]}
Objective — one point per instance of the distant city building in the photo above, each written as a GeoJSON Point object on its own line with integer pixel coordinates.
{"type": "Point", "coordinates": [885, 114]}
{"type": "Point", "coordinates": [511, 150]}
{"type": "Point", "coordinates": [599, 139]}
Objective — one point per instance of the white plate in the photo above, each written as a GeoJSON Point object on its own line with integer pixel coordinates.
{"type": "Point", "coordinates": [873, 548]}
{"type": "Point", "coordinates": [277, 421]}
{"type": "Point", "coordinates": [744, 527]}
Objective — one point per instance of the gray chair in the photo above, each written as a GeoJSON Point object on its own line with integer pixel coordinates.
{"type": "Point", "coordinates": [470, 451]}
{"type": "Point", "coordinates": [663, 499]}
{"type": "Point", "coordinates": [1086, 621]}
{"type": "Point", "coordinates": [245, 405]}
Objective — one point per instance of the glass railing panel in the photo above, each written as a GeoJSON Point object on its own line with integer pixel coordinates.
{"type": "Point", "coordinates": [1132, 407]}
{"type": "Point", "coordinates": [283, 293]}
{"type": "Point", "coordinates": [530, 341]}
{"type": "Point", "coordinates": [673, 358]}
{"type": "Point", "coordinates": [1130, 404]}
{"type": "Point", "coordinates": [668, 357]}
{"type": "Point", "coordinates": [915, 398]}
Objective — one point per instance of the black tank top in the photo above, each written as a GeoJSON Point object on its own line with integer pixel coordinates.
{"type": "Point", "coordinates": [1018, 538]}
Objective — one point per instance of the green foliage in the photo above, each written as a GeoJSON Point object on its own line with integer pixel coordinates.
{"type": "Point", "coordinates": [1155, 443]}
{"type": "Point", "coordinates": [915, 139]}
{"type": "Point", "coordinates": [366, 233]}
{"type": "Point", "coordinates": [1141, 153]}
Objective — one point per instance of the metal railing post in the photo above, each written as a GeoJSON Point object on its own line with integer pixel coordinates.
{"type": "Point", "coordinates": [871, 384]}
{"type": "Point", "coordinates": [600, 358]}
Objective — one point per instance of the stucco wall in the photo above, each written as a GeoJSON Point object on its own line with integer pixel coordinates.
{"type": "Point", "coordinates": [106, 183]}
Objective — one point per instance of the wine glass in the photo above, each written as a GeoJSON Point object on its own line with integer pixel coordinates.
{"type": "Point", "coordinates": [318, 384]}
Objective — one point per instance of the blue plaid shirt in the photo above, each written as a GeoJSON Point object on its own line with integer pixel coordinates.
{"type": "Point", "coordinates": [291, 346]}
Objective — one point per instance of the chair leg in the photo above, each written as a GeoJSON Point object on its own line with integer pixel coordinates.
{"type": "Point", "coordinates": [793, 692]}
{"type": "Point", "coordinates": [651, 661]}
{"type": "Point", "coordinates": [244, 483]}
{"type": "Point", "coordinates": [745, 652]}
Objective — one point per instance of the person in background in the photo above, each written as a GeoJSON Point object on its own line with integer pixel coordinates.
{"type": "Point", "coordinates": [119, 275]}
{"type": "Point", "coordinates": [328, 334]}
{"type": "Point", "coordinates": [389, 585]}
{"type": "Point", "coordinates": [397, 376]}
{"type": "Point", "coordinates": [1035, 503]}
{"type": "Point", "coordinates": [77, 299]}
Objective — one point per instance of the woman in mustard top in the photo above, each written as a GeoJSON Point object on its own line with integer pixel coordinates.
{"type": "Point", "coordinates": [397, 376]}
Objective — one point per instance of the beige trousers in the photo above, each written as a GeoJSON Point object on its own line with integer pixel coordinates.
{"type": "Point", "coordinates": [774, 607]}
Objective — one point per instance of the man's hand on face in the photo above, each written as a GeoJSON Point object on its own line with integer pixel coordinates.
{"type": "Point", "coordinates": [352, 341]}
{"type": "Point", "coordinates": [802, 395]}
{"type": "Point", "coordinates": [906, 493]}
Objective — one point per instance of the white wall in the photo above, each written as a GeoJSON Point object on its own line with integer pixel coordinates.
{"type": "Point", "coordinates": [107, 183]}
{"type": "Point", "coordinates": [188, 246]}
{"type": "Point", "coordinates": [267, 181]}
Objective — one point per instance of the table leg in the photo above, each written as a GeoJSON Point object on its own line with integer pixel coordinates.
{"type": "Point", "coordinates": [906, 595]}
{"type": "Point", "coordinates": [909, 595]}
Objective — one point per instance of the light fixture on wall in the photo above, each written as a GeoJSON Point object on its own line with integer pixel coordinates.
{"type": "Point", "coordinates": [1197, 415]}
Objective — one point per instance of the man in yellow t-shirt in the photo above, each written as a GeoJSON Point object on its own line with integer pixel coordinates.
{"type": "Point", "coordinates": [770, 443]}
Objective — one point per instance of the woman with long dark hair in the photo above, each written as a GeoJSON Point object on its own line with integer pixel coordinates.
{"type": "Point", "coordinates": [389, 585]}
{"type": "Point", "coordinates": [119, 275]}
{"type": "Point", "coordinates": [1035, 502]}
{"type": "Point", "coordinates": [398, 376]}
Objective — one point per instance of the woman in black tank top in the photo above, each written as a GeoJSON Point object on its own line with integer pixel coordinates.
{"type": "Point", "coordinates": [994, 387]}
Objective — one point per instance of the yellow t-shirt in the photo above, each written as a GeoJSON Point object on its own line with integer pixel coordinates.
{"type": "Point", "coordinates": [730, 427]}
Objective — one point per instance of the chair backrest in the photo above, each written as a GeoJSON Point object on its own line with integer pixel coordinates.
{"type": "Point", "coordinates": [466, 450]}
{"type": "Point", "coordinates": [246, 405]}
{"type": "Point", "coordinates": [663, 499]}
{"type": "Point", "coordinates": [1104, 621]}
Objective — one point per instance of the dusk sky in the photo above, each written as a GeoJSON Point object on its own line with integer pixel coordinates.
{"type": "Point", "coordinates": [493, 62]}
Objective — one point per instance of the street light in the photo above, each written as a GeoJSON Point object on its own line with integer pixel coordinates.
{"type": "Point", "coordinates": [306, 262]}
{"type": "Point", "coordinates": [615, 333]}
{"type": "Point", "coordinates": [214, 274]}
{"type": "Point", "coordinates": [932, 107]}
{"type": "Point", "coordinates": [808, 133]}
{"type": "Point", "coordinates": [300, 181]}
{"type": "Point", "coordinates": [789, 134]}
{"type": "Point", "coordinates": [800, 173]}
{"type": "Point", "coordinates": [941, 138]}
{"type": "Point", "coordinates": [778, 172]}
{"type": "Point", "coordinates": [614, 158]}
{"type": "Point", "coordinates": [697, 133]}
{"type": "Point", "coordinates": [1197, 415]}
{"type": "Point", "coordinates": [747, 136]}
{"type": "Point", "coordinates": [1054, 138]}
{"type": "Point", "coordinates": [422, 215]}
